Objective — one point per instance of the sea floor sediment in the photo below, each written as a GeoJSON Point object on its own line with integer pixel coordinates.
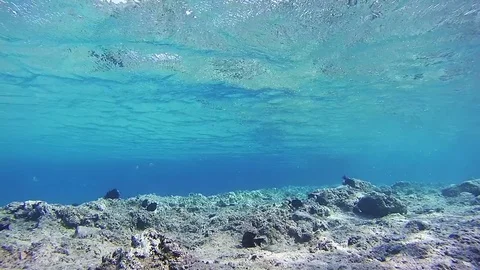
{"type": "Point", "coordinates": [356, 225]}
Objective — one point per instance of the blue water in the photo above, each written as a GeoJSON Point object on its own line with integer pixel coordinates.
{"type": "Point", "coordinates": [179, 97]}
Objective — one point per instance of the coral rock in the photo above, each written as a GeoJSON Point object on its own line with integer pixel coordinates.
{"type": "Point", "coordinates": [472, 187]}
{"type": "Point", "coordinates": [112, 194]}
{"type": "Point", "coordinates": [379, 205]}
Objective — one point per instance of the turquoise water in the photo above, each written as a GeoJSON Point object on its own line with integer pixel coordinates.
{"type": "Point", "coordinates": [178, 97]}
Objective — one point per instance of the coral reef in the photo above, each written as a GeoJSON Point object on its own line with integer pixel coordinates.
{"type": "Point", "coordinates": [472, 186]}
{"type": "Point", "coordinates": [354, 226]}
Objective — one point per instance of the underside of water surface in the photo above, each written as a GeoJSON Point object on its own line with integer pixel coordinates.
{"type": "Point", "coordinates": [174, 97]}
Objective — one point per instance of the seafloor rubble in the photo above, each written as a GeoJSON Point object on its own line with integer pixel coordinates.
{"type": "Point", "coordinates": [354, 226]}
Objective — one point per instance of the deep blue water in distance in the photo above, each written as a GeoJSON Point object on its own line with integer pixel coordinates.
{"type": "Point", "coordinates": [73, 182]}
{"type": "Point", "coordinates": [180, 97]}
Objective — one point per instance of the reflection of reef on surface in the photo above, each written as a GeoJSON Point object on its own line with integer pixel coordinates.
{"type": "Point", "coordinates": [354, 226]}
{"type": "Point", "coordinates": [107, 59]}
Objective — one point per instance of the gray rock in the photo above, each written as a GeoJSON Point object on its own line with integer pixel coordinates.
{"type": "Point", "coordinates": [414, 226]}
{"type": "Point", "coordinates": [152, 207]}
{"type": "Point", "coordinates": [4, 224]}
{"type": "Point", "coordinates": [326, 245]}
{"type": "Point", "coordinates": [72, 217]}
{"type": "Point", "coordinates": [382, 252]}
{"type": "Point", "coordinates": [300, 235]}
{"type": "Point", "coordinates": [85, 232]}
{"type": "Point", "coordinates": [251, 239]}
{"type": "Point", "coordinates": [319, 210]}
{"type": "Point", "coordinates": [143, 221]}
{"type": "Point", "coordinates": [300, 215]}
{"type": "Point", "coordinates": [29, 210]}
{"type": "Point", "coordinates": [295, 203]}
{"type": "Point", "coordinates": [343, 197]}
{"type": "Point", "coordinates": [150, 250]}
{"type": "Point", "coordinates": [379, 205]}
{"type": "Point", "coordinates": [358, 184]}
{"type": "Point", "coordinates": [472, 186]}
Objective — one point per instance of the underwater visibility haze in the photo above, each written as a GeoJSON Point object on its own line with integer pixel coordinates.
{"type": "Point", "coordinates": [239, 134]}
{"type": "Point", "coordinates": [179, 97]}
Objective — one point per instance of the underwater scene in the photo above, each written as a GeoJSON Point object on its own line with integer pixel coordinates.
{"type": "Point", "coordinates": [239, 134]}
